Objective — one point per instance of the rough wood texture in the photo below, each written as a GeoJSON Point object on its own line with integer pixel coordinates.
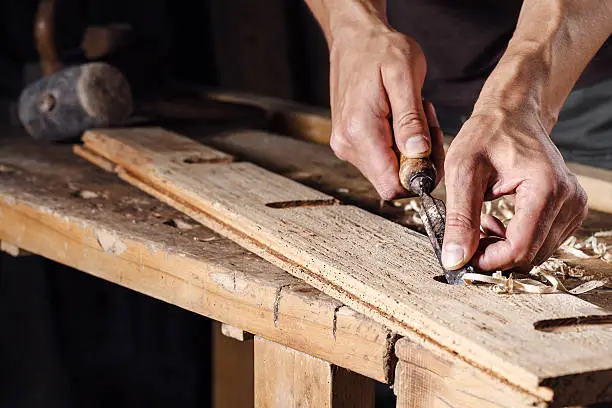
{"type": "Point", "coordinates": [426, 379]}
{"type": "Point", "coordinates": [313, 124]}
{"type": "Point", "coordinates": [286, 378]}
{"type": "Point", "coordinates": [233, 374]}
{"type": "Point", "coordinates": [377, 267]}
{"type": "Point", "coordinates": [124, 236]}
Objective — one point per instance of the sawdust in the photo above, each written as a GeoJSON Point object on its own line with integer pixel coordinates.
{"type": "Point", "coordinates": [548, 277]}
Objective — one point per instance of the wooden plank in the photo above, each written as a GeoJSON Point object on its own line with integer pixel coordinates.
{"type": "Point", "coordinates": [375, 266]}
{"type": "Point", "coordinates": [127, 238]}
{"type": "Point", "coordinates": [426, 379]}
{"type": "Point", "coordinates": [288, 378]}
{"type": "Point", "coordinates": [284, 116]}
{"type": "Point", "coordinates": [314, 124]}
{"type": "Point", "coordinates": [233, 374]}
{"type": "Point", "coordinates": [597, 183]}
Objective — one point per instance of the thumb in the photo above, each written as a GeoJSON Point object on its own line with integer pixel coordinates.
{"type": "Point", "coordinates": [464, 198]}
{"type": "Point", "coordinates": [410, 127]}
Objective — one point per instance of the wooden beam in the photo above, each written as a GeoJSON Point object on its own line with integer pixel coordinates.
{"type": "Point", "coordinates": [233, 376]}
{"type": "Point", "coordinates": [426, 379]}
{"type": "Point", "coordinates": [375, 266]}
{"type": "Point", "coordinates": [289, 378]}
{"type": "Point", "coordinates": [128, 238]}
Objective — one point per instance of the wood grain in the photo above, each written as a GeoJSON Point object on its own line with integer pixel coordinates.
{"type": "Point", "coordinates": [315, 125]}
{"type": "Point", "coordinates": [377, 267]}
{"type": "Point", "coordinates": [127, 238]}
{"type": "Point", "coordinates": [286, 378]}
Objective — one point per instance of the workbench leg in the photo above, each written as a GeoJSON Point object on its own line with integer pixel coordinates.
{"type": "Point", "coordinates": [232, 370]}
{"type": "Point", "coordinates": [288, 378]}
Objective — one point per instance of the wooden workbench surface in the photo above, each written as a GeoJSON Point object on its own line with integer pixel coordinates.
{"type": "Point", "coordinates": [61, 207]}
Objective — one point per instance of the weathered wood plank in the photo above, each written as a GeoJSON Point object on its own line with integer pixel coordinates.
{"type": "Point", "coordinates": [426, 379]}
{"type": "Point", "coordinates": [288, 378]}
{"type": "Point", "coordinates": [377, 267]}
{"type": "Point", "coordinates": [314, 124]}
{"type": "Point", "coordinates": [124, 236]}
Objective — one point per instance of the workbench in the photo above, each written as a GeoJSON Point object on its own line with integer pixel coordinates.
{"type": "Point", "coordinates": [279, 341]}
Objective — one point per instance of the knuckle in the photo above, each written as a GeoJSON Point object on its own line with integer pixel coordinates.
{"type": "Point", "coordinates": [410, 120]}
{"type": "Point", "coordinates": [564, 188]}
{"type": "Point", "coordinates": [523, 255]}
{"type": "Point", "coordinates": [459, 221]}
{"type": "Point", "coordinates": [456, 168]}
{"type": "Point", "coordinates": [340, 145]}
{"type": "Point", "coordinates": [581, 198]}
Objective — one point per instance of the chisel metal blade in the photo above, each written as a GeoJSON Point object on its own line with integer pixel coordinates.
{"type": "Point", "coordinates": [433, 214]}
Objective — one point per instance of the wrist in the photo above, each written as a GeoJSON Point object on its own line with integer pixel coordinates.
{"type": "Point", "coordinates": [349, 19]}
{"type": "Point", "coordinates": [518, 87]}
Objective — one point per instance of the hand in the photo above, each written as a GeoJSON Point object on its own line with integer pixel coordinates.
{"type": "Point", "coordinates": [496, 153]}
{"type": "Point", "coordinates": [377, 74]}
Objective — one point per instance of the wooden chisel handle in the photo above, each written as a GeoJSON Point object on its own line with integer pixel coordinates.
{"type": "Point", "coordinates": [413, 169]}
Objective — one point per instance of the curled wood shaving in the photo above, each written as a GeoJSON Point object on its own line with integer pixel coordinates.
{"type": "Point", "coordinates": [549, 273]}
{"type": "Point", "coordinates": [509, 285]}
{"type": "Point", "coordinates": [592, 247]}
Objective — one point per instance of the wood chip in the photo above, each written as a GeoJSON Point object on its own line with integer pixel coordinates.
{"type": "Point", "coordinates": [87, 194]}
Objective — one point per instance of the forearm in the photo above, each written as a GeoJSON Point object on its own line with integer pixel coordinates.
{"type": "Point", "coordinates": [340, 17]}
{"type": "Point", "coordinates": [552, 44]}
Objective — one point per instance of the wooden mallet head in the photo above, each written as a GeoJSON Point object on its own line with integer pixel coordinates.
{"type": "Point", "coordinates": [65, 104]}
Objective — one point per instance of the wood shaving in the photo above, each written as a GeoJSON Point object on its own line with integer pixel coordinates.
{"type": "Point", "coordinates": [549, 273]}
{"type": "Point", "coordinates": [87, 194]}
{"type": "Point", "coordinates": [592, 247]}
{"type": "Point", "coordinates": [509, 285]}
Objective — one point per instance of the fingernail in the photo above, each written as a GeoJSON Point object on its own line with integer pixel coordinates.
{"type": "Point", "coordinates": [416, 146]}
{"type": "Point", "coordinates": [452, 256]}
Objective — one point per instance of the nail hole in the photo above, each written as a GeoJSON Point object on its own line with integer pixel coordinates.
{"type": "Point", "coordinates": [441, 279]}
{"type": "Point", "coordinates": [578, 323]}
{"type": "Point", "coordinates": [303, 203]}
{"type": "Point", "coordinates": [195, 159]}
{"type": "Point", "coordinates": [180, 224]}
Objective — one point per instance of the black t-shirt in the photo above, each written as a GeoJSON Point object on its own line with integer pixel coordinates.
{"type": "Point", "coordinates": [463, 41]}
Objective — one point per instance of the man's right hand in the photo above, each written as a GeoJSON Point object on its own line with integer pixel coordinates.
{"type": "Point", "coordinates": [377, 74]}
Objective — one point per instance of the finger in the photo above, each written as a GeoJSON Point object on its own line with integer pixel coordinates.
{"type": "Point", "coordinates": [568, 220]}
{"type": "Point", "coordinates": [492, 226]}
{"type": "Point", "coordinates": [409, 121]}
{"type": "Point", "coordinates": [465, 186]}
{"type": "Point", "coordinates": [437, 139]}
{"type": "Point", "coordinates": [535, 210]}
{"type": "Point", "coordinates": [366, 142]}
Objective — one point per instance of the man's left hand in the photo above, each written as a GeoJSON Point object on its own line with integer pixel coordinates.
{"type": "Point", "coordinates": [500, 152]}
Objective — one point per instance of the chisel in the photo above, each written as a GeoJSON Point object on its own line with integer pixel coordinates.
{"type": "Point", "coordinates": [419, 177]}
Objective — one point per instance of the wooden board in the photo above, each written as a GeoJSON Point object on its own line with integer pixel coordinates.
{"type": "Point", "coordinates": [122, 235]}
{"type": "Point", "coordinates": [376, 266]}
{"type": "Point", "coordinates": [314, 124]}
